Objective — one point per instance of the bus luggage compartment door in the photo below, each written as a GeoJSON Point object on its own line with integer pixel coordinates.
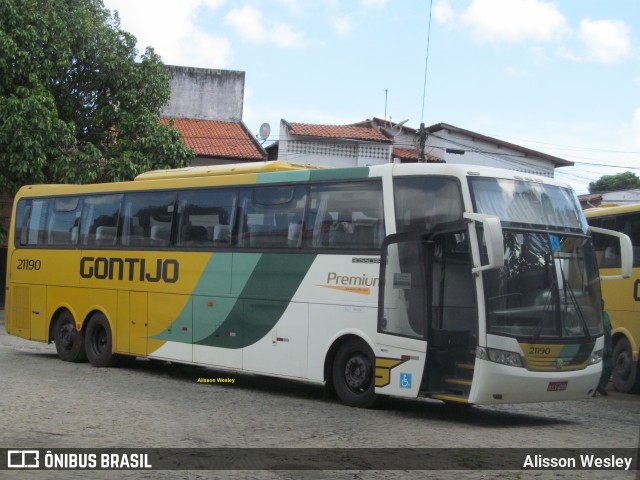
{"type": "Point", "coordinates": [27, 317]}
{"type": "Point", "coordinates": [19, 316]}
{"type": "Point", "coordinates": [138, 309]}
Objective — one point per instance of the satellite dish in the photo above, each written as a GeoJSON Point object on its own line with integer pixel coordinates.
{"type": "Point", "coordinates": [393, 132]}
{"type": "Point", "coordinates": [265, 131]}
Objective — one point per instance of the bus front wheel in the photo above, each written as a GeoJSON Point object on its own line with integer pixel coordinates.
{"type": "Point", "coordinates": [625, 370]}
{"type": "Point", "coordinates": [99, 342]}
{"type": "Point", "coordinates": [69, 341]}
{"type": "Point", "coordinates": [354, 374]}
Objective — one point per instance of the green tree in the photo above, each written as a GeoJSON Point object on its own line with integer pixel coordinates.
{"type": "Point", "coordinates": [612, 183]}
{"type": "Point", "coordinates": [77, 105]}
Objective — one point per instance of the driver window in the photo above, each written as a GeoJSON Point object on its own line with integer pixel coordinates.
{"type": "Point", "coordinates": [424, 203]}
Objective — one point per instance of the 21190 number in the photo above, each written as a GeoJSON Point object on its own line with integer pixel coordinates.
{"type": "Point", "coordinates": [29, 264]}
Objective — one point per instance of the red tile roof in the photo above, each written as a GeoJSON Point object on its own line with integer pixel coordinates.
{"type": "Point", "coordinates": [337, 131]}
{"type": "Point", "coordinates": [210, 138]}
{"type": "Point", "coordinates": [411, 154]}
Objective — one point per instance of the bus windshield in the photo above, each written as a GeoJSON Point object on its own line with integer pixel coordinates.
{"type": "Point", "coordinates": [548, 288]}
{"type": "Point", "coordinates": [528, 204]}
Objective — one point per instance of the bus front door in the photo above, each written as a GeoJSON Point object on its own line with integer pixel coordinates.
{"type": "Point", "coordinates": [402, 316]}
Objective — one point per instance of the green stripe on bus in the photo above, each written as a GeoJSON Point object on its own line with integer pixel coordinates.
{"type": "Point", "coordinates": [354, 173]}
{"type": "Point", "coordinates": [279, 177]}
{"type": "Point", "coordinates": [196, 322]}
{"type": "Point", "coordinates": [216, 275]}
{"type": "Point", "coordinates": [276, 277]}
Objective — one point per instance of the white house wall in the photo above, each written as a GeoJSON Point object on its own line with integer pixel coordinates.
{"type": "Point", "coordinates": [335, 152]}
{"type": "Point", "coordinates": [405, 140]}
{"type": "Point", "coordinates": [331, 152]}
{"type": "Point", "coordinates": [435, 146]}
{"type": "Point", "coordinates": [623, 197]}
{"type": "Point", "coordinates": [481, 153]}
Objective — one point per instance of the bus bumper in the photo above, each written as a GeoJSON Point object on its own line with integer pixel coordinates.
{"type": "Point", "coordinates": [494, 383]}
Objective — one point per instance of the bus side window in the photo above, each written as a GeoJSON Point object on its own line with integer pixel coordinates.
{"type": "Point", "coordinates": [205, 217]}
{"type": "Point", "coordinates": [64, 221]}
{"type": "Point", "coordinates": [99, 222]}
{"type": "Point", "coordinates": [273, 217]}
{"type": "Point", "coordinates": [36, 233]}
{"type": "Point", "coordinates": [630, 225]}
{"type": "Point", "coordinates": [22, 215]}
{"type": "Point", "coordinates": [607, 248]}
{"type": "Point", "coordinates": [345, 217]}
{"type": "Point", "coordinates": [148, 219]}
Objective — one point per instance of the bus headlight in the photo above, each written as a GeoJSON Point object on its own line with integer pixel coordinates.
{"type": "Point", "coordinates": [504, 357]}
{"type": "Point", "coordinates": [595, 357]}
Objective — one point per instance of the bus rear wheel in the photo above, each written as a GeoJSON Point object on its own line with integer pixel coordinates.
{"type": "Point", "coordinates": [99, 342]}
{"type": "Point", "coordinates": [353, 374]}
{"type": "Point", "coordinates": [625, 370]}
{"type": "Point", "coordinates": [69, 341]}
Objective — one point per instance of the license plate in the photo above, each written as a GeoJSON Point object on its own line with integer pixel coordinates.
{"type": "Point", "coordinates": [557, 386]}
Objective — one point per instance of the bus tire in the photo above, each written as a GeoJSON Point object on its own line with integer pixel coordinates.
{"type": "Point", "coordinates": [99, 342]}
{"type": "Point", "coordinates": [69, 341]}
{"type": "Point", "coordinates": [353, 374]}
{"type": "Point", "coordinates": [625, 370]}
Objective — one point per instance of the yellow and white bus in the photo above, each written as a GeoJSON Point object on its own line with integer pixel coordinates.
{"type": "Point", "coordinates": [457, 283]}
{"type": "Point", "coordinates": [622, 297]}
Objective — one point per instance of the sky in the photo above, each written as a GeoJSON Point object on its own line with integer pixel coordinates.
{"type": "Point", "coordinates": [561, 77]}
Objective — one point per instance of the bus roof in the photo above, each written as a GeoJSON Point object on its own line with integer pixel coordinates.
{"type": "Point", "coordinates": [611, 210]}
{"type": "Point", "coordinates": [273, 172]}
{"type": "Point", "coordinates": [234, 169]}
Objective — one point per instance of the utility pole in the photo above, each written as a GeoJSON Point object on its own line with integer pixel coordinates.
{"type": "Point", "coordinates": [422, 140]}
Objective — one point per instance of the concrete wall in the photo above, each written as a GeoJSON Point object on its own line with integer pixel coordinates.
{"type": "Point", "coordinates": [205, 94]}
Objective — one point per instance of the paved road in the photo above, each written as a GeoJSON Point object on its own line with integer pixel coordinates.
{"type": "Point", "coordinates": [47, 403]}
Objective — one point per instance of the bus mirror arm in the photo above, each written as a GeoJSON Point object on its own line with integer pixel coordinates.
{"type": "Point", "coordinates": [493, 239]}
{"type": "Point", "coordinates": [626, 253]}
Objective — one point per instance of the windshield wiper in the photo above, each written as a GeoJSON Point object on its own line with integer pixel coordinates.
{"type": "Point", "coordinates": [574, 301]}
{"type": "Point", "coordinates": [552, 299]}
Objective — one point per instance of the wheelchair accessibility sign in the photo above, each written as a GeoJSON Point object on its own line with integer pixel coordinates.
{"type": "Point", "coordinates": [405, 380]}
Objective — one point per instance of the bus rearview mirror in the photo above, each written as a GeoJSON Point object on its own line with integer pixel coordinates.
{"type": "Point", "coordinates": [626, 253]}
{"type": "Point", "coordinates": [493, 240]}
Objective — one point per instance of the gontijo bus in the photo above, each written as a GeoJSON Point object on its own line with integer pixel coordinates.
{"type": "Point", "coordinates": [458, 283]}
{"type": "Point", "coordinates": [622, 297]}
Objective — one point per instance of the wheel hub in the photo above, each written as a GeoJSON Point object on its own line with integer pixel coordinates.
{"type": "Point", "coordinates": [357, 373]}
{"type": "Point", "coordinates": [100, 341]}
{"type": "Point", "coordinates": [623, 365]}
{"type": "Point", "coordinates": [67, 334]}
